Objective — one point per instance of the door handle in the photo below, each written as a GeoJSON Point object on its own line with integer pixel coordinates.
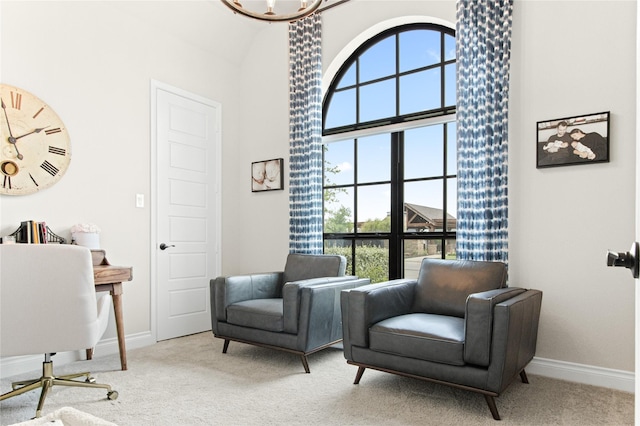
{"type": "Point", "coordinates": [164, 246]}
{"type": "Point", "coordinates": [629, 260]}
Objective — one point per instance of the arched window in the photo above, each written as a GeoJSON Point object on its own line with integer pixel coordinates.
{"type": "Point", "coordinates": [390, 152]}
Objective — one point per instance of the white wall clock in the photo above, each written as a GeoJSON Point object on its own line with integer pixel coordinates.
{"type": "Point", "coordinates": [35, 147]}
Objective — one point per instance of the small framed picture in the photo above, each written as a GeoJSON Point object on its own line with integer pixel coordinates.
{"type": "Point", "coordinates": [567, 141]}
{"type": "Point", "coordinates": [267, 175]}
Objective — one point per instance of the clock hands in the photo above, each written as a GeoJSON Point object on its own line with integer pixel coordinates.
{"type": "Point", "coordinates": [20, 156]}
{"type": "Point", "coordinates": [31, 132]}
{"type": "Point", "coordinates": [4, 108]}
{"type": "Point", "coordinates": [15, 140]}
{"type": "Point", "coordinates": [12, 140]}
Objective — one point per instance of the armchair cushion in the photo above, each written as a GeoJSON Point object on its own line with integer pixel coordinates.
{"type": "Point", "coordinates": [374, 303]}
{"type": "Point", "coordinates": [279, 314]}
{"type": "Point", "coordinates": [429, 337]}
{"type": "Point", "coordinates": [229, 290]}
{"type": "Point", "coordinates": [443, 286]}
{"type": "Point", "coordinates": [263, 314]}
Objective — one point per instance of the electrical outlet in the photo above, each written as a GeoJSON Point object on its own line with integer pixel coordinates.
{"type": "Point", "coordinates": [140, 200]}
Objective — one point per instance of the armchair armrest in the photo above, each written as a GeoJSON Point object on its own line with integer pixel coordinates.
{"type": "Point", "coordinates": [320, 320]}
{"type": "Point", "coordinates": [226, 291]}
{"type": "Point", "coordinates": [515, 333]}
{"type": "Point", "coordinates": [479, 323]}
{"type": "Point", "coordinates": [292, 294]}
{"type": "Point", "coordinates": [369, 304]}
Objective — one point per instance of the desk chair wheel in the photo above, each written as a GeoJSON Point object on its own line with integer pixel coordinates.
{"type": "Point", "coordinates": [112, 395]}
{"type": "Point", "coordinates": [90, 379]}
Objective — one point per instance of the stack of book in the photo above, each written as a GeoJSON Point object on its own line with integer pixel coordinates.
{"type": "Point", "coordinates": [32, 232]}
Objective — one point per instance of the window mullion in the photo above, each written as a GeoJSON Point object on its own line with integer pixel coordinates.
{"type": "Point", "coordinates": [397, 206]}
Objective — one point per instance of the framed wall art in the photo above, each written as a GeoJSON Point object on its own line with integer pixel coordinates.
{"type": "Point", "coordinates": [267, 175]}
{"type": "Point", "coordinates": [583, 139]}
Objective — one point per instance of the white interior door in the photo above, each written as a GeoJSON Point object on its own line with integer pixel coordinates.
{"type": "Point", "coordinates": [187, 209]}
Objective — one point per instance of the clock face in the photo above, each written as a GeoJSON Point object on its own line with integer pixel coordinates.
{"type": "Point", "coordinates": [35, 150]}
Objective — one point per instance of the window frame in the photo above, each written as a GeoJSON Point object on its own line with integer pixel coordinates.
{"type": "Point", "coordinates": [395, 127]}
{"type": "Point", "coordinates": [398, 119]}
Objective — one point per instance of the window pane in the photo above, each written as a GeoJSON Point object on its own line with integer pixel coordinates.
{"type": "Point", "coordinates": [349, 77]}
{"type": "Point", "coordinates": [452, 150]}
{"type": "Point", "coordinates": [338, 210]}
{"type": "Point", "coordinates": [379, 60]}
{"type": "Point", "coordinates": [450, 85]}
{"type": "Point", "coordinates": [423, 206]}
{"type": "Point", "coordinates": [450, 249]}
{"type": "Point", "coordinates": [420, 91]}
{"type": "Point", "coordinates": [372, 260]}
{"type": "Point", "coordinates": [374, 161]}
{"type": "Point", "coordinates": [423, 151]}
{"type": "Point", "coordinates": [342, 109]}
{"type": "Point", "coordinates": [419, 48]}
{"type": "Point", "coordinates": [452, 204]}
{"type": "Point", "coordinates": [338, 163]}
{"type": "Point", "coordinates": [415, 251]}
{"type": "Point", "coordinates": [374, 206]}
{"type": "Point", "coordinates": [449, 47]}
{"type": "Point", "coordinates": [340, 247]}
{"type": "Point", "coordinates": [377, 100]}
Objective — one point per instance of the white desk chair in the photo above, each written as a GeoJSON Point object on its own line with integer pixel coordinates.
{"type": "Point", "coordinates": [47, 305]}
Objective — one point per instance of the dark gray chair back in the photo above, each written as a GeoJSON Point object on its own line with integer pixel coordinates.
{"type": "Point", "coordinates": [444, 285]}
{"type": "Point", "coordinates": [306, 266]}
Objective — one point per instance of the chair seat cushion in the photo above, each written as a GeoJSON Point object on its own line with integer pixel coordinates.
{"type": "Point", "coordinates": [428, 337]}
{"type": "Point", "coordinates": [263, 314]}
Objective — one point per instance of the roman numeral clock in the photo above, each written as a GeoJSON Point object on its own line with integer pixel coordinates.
{"type": "Point", "coordinates": [35, 148]}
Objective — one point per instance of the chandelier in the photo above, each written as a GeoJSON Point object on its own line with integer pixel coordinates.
{"type": "Point", "coordinates": [306, 8]}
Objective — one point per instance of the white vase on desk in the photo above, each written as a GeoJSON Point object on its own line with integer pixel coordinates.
{"type": "Point", "coordinates": [87, 239]}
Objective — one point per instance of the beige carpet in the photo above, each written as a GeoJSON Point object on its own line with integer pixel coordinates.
{"type": "Point", "coordinates": [188, 381]}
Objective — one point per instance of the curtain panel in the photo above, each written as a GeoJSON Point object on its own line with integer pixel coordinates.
{"type": "Point", "coordinates": [305, 135]}
{"type": "Point", "coordinates": [483, 45]}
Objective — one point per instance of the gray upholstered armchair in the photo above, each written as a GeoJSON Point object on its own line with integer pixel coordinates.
{"type": "Point", "coordinates": [457, 324]}
{"type": "Point", "coordinates": [296, 310]}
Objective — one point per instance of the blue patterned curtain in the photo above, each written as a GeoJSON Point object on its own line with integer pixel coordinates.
{"type": "Point", "coordinates": [483, 39]}
{"type": "Point", "coordinates": [305, 135]}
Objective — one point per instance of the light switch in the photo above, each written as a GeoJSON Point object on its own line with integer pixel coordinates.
{"type": "Point", "coordinates": [140, 200]}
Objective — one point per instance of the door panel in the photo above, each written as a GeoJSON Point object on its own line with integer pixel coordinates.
{"type": "Point", "coordinates": [187, 139]}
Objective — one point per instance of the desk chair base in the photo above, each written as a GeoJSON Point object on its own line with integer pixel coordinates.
{"type": "Point", "coordinates": [48, 380]}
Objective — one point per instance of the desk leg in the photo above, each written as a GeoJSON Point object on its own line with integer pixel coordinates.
{"type": "Point", "coordinates": [116, 295]}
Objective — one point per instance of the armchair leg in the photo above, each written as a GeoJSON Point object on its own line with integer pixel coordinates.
{"type": "Point", "coordinates": [523, 377]}
{"type": "Point", "coordinates": [491, 402]}
{"type": "Point", "coordinates": [305, 363]}
{"type": "Point", "coordinates": [359, 375]}
{"type": "Point", "coordinates": [225, 346]}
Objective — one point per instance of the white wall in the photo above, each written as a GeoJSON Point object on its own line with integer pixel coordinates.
{"type": "Point", "coordinates": [572, 58]}
{"type": "Point", "coordinates": [93, 66]}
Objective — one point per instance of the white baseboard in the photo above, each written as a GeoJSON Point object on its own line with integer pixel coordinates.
{"type": "Point", "coordinates": [12, 366]}
{"type": "Point", "coordinates": [581, 373]}
{"type": "Point", "coordinates": [569, 371]}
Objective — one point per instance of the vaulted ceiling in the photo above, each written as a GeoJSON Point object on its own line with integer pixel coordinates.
{"type": "Point", "coordinates": [207, 24]}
